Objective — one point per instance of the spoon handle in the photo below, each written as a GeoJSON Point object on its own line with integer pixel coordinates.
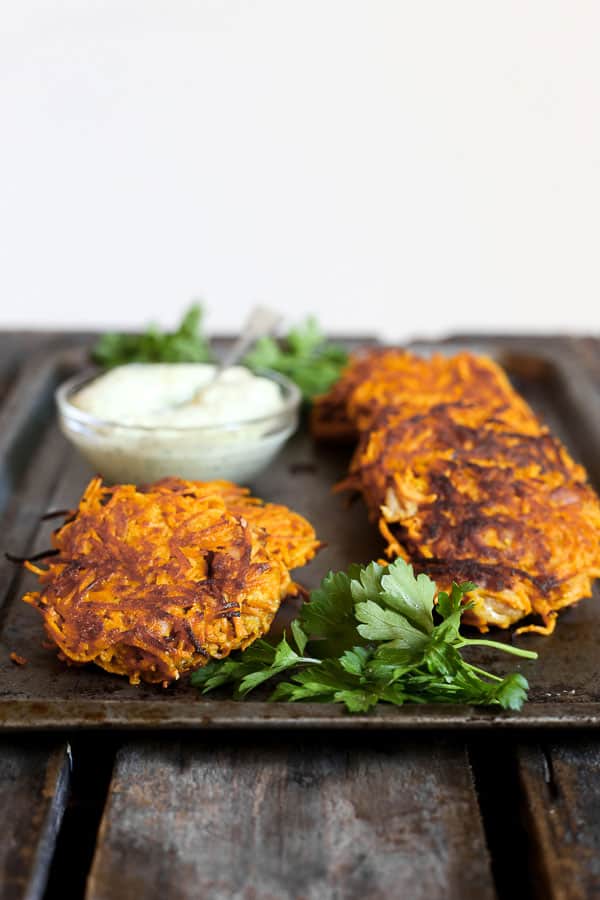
{"type": "Point", "coordinates": [260, 322]}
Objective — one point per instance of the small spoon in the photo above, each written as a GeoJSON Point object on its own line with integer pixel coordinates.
{"type": "Point", "coordinates": [260, 322]}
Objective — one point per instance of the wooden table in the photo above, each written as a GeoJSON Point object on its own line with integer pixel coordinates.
{"type": "Point", "coordinates": [320, 815]}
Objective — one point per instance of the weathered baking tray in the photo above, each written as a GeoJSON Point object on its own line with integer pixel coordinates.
{"type": "Point", "coordinates": [40, 472]}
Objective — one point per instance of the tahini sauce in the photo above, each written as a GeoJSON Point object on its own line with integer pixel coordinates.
{"type": "Point", "coordinates": [166, 395]}
{"type": "Point", "coordinates": [190, 436]}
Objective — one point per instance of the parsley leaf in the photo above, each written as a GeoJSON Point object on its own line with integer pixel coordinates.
{"type": "Point", "coordinates": [355, 660]}
{"type": "Point", "coordinates": [185, 344]}
{"type": "Point", "coordinates": [413, 597]}
{"type": "Point", "coordinates": [381, 624]}
{"type": "Point", "coordinates": [365, 581]}
{"type": "Point", "coordinates": [304, 355]}
{"type": "Point", "coordinates": [255, 665]}
{"type": "Point", "coordinates": [373, 637]}
{"type": "Point", "coordinates": [328, 618]}
{"type": "Point", "coordinates": [451, 607]}
{"type": "Point", "coordinates": [511, 693]}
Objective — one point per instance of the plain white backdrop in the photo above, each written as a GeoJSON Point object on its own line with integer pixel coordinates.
{"type": "Point", "coordinates": [395, 166]}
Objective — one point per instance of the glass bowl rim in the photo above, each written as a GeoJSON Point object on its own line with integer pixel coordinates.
{"type": "Point", "coordinates": [291, 399]}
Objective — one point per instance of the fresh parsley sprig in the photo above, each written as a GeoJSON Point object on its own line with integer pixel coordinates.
{"type": "Point", "coordinates": [372, 638]}
{"type": "Point", "coordinates": [186, 344]}
{"type": "Point", "coordinates": [304, 355]}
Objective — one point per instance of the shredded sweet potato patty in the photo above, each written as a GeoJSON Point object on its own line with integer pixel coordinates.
{"type": "Point", "coordinates": [153, 582]}
{"type": "Point", "coordinates": [466, 483]}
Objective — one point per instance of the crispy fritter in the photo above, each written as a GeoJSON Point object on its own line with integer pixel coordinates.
{"type": "Point", "coordinates": [381, 381]}
{"type": "Point", "coordinates": [330, 416]}
{"type": "Point", "coordinates": [471, 486]}
{"type": "Point", "coordinates": [465, 498]}
{"type": "Point", "coordinates": [153, 582]}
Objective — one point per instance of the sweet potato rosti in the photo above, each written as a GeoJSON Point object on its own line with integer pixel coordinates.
{"type": "Point", "coordinates": [467, 484]}
{"type": "Point", "coordinates": [153, 582]}
{"type": "Point", "coordinates": [381, 380]}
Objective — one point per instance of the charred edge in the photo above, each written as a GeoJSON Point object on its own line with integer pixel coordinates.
{"type": "Point", "coordinates": [36, 556]}
{"type": "Point", "coordinates": [55, 513]}
{"type": "Point", "coordinates": [72, 517]}
{"type": "Point", "coordinates": [193, 640]}
{"type": "Point", "coordinates": [496, 777]}
{"type": "Point", "coordinates": [466, 440]}
{"type": "Point", "coordinates": [229, 614]}
{"type": "Point", "coordinates": [491, 575]}
{"type": "Point", "coordinates": [303, 593]}
{"type": "Point", "coordinates": [209, 560]}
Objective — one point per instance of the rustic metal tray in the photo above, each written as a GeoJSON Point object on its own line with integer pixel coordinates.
{"type": "Point", "coordinates": [39, 471]}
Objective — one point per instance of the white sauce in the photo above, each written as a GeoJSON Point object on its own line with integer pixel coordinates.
{"type": "Point", "coordinates": [192, 435]}
{"type": "Point", "coordinates": [166, 395]}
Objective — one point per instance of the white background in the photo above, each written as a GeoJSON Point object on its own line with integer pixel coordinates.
{"type": "Point", "coordinates": [405, 167]}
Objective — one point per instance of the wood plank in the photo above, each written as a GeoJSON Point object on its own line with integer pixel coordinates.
{"type": "Point", "coordinates": [561, 792]}
{"type": "Point", "coordinates": [34, 774]}
{"type": "Point", "coordinates": [286, 819]}
{"type": "Point", "coordinates": [34, 782]}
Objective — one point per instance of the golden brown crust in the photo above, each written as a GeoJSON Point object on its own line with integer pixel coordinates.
{"type": "Point", "coordinates": [383, 380]}
{"type": "Point", "coordinates": [468, 485]}
{"type": "Point", "coordinates": [153, 582]}
{"type": "Point", "coordinates": [330, 416]}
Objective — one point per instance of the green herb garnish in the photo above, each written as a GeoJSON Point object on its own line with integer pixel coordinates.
{"type": "Point", "coordinates": [186, 344]}
{"type": "Point", "coordinates": [368, 636]}
{"type": "Point", "coordinates": [304, 355]}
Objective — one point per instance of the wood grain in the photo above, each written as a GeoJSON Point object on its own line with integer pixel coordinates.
{"type": "Point", "coordinates": [561, 792]}
{"type": "Point", "coordinates": [34, 780]}
{"type": "Point", "coordinates": [232, 818]}
{"type": "Point", "coordinates": [34, 774]}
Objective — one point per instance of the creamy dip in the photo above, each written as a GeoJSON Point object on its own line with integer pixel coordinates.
{"type": "Point", "coordinates": [178, 395]}
{"type": "Point", "coordinates": [150, 422]}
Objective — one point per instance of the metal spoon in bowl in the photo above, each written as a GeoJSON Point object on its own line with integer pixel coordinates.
{"type": "Point", "coordinates": [261, 321]}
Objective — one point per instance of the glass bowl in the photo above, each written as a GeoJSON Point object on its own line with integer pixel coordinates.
{"type": "Point", "coordinates": [136, 454]}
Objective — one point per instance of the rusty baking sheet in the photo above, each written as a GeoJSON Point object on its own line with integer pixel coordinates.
{"type": "Point", "coordinates": [40, 472]}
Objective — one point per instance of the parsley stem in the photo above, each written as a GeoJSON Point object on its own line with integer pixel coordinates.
{"type": "Point", "coordinates": [482, 672]}
{"type": "Point", "coordinates": [508, 648]}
